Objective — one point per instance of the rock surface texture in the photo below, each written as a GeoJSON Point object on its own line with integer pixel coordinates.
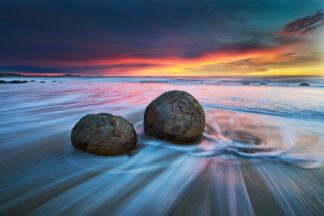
{"type": "Point", "coordinates": [104, 134]}
{"type": "Point", "coordinates": [175, 116]}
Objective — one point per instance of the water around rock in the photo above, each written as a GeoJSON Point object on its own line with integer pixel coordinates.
{"type": "Point", "coordinates": [104, 134]}
{"type": "Point", "coordinates": [242, 137]}
{"type": "Point", "coordinates": [283, 175]}
{"type": "Point", "coordinates": [175, 116]}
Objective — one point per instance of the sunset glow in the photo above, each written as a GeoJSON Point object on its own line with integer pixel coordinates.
{"type": "Point", "coordinates": [167, 38]}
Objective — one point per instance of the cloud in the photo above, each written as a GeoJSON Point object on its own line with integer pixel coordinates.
{"type": "Point", "coordinates": [242, 66]}
{"type": "Point", "coordinates": [65, 35]}
{"type": "Point", "coordinates": [89, 70]}
{"type": "Point", "coordinates": [305, 24]}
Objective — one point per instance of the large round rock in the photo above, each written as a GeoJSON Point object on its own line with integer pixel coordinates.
{"type": "Point", "coordinates": [175, 116]}
{"type": "Point", "coordinates": [104, 134]}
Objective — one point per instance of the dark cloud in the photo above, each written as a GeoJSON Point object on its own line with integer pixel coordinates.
{"type": "Point", "coordinates": [305, 24]}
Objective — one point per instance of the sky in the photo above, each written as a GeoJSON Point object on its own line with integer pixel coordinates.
{"type": "Point", "coordinates": [162, 37]}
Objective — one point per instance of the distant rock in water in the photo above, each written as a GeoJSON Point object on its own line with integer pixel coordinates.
{"type": "Point", "coordinates": [154, 81]}
{"type": "Point", "coordinates": [42, 81]}
{"type": "Point", "coordinates": [32, 81]}
{"type": "Point", "coordinates": [104, 134]}
{"type": "Point", "coordinates": [246, 83]}
{"type": "Point", "coordinates": [175, 116]}
{"type": "Point", "coordinates": [263, 83]}
{"type": "Point", "coordinates": [304, 84]}
{"type": "Point", "coordinates": [18, 81]}
{"type": "Point", "coordinates": [242, 137]}
{"type": "Point", "coordinates": [13, 82]}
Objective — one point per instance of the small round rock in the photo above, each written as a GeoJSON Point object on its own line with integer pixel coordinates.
{"type": "Point", "coordinates": [104, 134]}
{"type": "Point", "coordinates": [175, 116]}
{"type": "Point", "coordinates": [304, 84]}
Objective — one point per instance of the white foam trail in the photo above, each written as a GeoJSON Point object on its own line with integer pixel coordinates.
{"type": "Point", "coordinates": [42, 173]}
{"type": "Point", "coordinates": [291, 190]}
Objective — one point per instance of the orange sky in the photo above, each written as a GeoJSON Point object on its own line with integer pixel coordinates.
{"type": "Point", "coordinates": [288, 60]}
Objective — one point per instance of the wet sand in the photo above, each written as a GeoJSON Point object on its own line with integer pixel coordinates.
{"type": "Point", "coordinates": [223, 174]}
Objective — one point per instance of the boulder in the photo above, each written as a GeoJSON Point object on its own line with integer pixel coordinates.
{"type": "Point", "coordinates": [104, 134]}
{"type": "Point", "coordinates": [18, 81]}
{"type": "Point", "coordinates": [304, 84]}
{"type": "Point", "coordinates": [13, 81]}
{"type": "Point", "coordinates": [175, 116]}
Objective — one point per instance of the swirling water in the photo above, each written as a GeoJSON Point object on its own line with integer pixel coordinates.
{"type": "Point", "coordinates": [224, 174]}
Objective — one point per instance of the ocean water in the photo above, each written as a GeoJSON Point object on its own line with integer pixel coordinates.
{"type": "Point", "coordinates": [42, 174]}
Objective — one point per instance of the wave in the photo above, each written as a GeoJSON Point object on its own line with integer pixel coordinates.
{"type": "Point", "coordinates": [313, 115]}
{"type": "Point", "coordinates": [243, 142]}
{"type": "Point", "coordinates": [261, 151]}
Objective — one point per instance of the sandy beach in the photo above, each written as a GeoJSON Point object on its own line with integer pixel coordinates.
{"type": "Point", "coordinates": [41, 171]}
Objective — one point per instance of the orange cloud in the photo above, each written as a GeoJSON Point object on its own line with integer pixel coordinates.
{"type": "Point", "coordinates": [282, 60]}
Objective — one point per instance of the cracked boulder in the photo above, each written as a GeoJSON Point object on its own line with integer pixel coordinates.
{"type": "Point", "coordinates": [104, 134]}
{"type": "Point", "coordinates": [175, 116]}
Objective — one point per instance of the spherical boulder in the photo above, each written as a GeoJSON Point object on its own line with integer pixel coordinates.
{"type": "Point", "coordinates": [175, 116]}
{"type": "Point", "coordinates": [104, 134]}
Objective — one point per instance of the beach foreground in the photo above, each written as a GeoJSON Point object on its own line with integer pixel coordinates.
{"type": "Point", "coordinates": [42, 174]}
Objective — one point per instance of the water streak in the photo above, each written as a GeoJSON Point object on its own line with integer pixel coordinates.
{"type": "Point", "coordinates": [262, 151]}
